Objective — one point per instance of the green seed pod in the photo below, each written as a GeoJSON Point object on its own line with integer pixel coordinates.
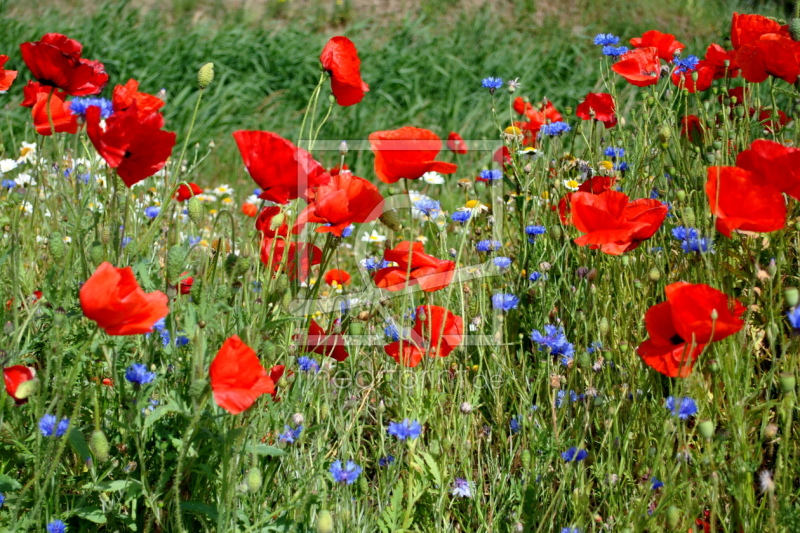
{"type": "Point", "coordinates": [555, 232]}
{"type": "Point", "coordinates": [205, 75]}
{"type": "Point", "coordinates": [792, 296]}
{"type": "Point", "coordinates": [175, 259]}
{"type": "Point", "coordinates": [253, 479]}
{"type": "Point", "coordinates": [281, 284]}
{"type": "Point", "coordinates": [391, 220]}
{"type": "Point", "coordinates": [99, 445]}
{"type": "Point", "coordinates": [654, 274]}
{"type": "Point", "coordinates": [603, 326]}
{"type": "Point", "coordinates": [626, 260]}
{"type": "Point", "coordinates": [198, 388]}
{"type": "Point", "coordinates": [706, 428]}
{"type": "Point", "coordinates": [688, 217]}
{"type": "Point", "coordinates": [356, 328]}
{"type": "Point", "coordinates": [673, 518]}
{"type": "Point", "coordinates": [97, 252]}
{"type": "Point", "coordinates": [324, 522]}
{"type": "Point", "coordinates": [664, 133]}
{"type": "Point", "coordinates": [584, 360]}
{"type": "Point", "coordinates": [787, 382]}
{"type": "Point", "coordinates": [58, 250]}
{"type": "Point", "coordinates": [710, 157]}
{"type": "Point", "coordinates": [243, 265]}
{"type": "Point", "coordinates": [196, 210]}
{"type": "Point", "coordinates": [681, 195]}
{"type": "Point", "coordinates": [230, 262]}
{"type": "Point", "coordinates": [105, 235]}
{"type": "Point", "coordinates": [794, 29]}
{"type": "Point", "coordinates": [525, 457]}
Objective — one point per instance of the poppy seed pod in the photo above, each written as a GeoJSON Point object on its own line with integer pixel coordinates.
{"type": "Point", "coordinates": [99, 445]}
{"type": "Point", "coordinates": [324, 522]}
{"type": "Point", "coordinates": [253, 480]}
{"type": "Point", "coordinates": [205, 75]}
{"type": "Point", "coordinates": [706, 428]}
{"type": "Point", "coordinates": [792, 296]}
{"type": "Point", "coordinates": [673, 518]}
{"type": "Point", "coordinates": [97, 252]}
{"type": "Point", "coordinates": [787, 382]}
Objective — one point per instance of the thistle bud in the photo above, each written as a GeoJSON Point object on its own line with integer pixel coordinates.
{"type": "Point", "coordinates": [325, 521]}
{"type": "Point", "coordinates": [99, 445]}
{"type": "Point", "coordinates": [58, 249]}
{"type": "Point", "coordinates": [97, 253]}
{"type": "Point", "coordinates": [391, 220]}
{"type": "Point", "coordinates": [196, 210]}
{"type": "Point", "coordinates": [253, 479]}
{"type": "Point", "coordinates": [205, 75]}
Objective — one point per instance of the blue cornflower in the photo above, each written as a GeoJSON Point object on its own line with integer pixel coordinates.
{"type": "Point", "coordinates": [152, 211]}
{"type": "Point", "coordinates": [655, 483]}
{"type": "Point", "coordinates": [346, 232]}
{"type": "Point", "coordinates": [654, 194]}
{"type": "Point", "coordinates": [56, 526]}
{"type": "Point", "coordinates": [793, 315]}
{"type": "Point", "coordinates": [492, 83]}
{"type": "Point", "coordinates": [257, 191]}
{"type": "Point", "coordinates": [703, 244]}
{"type": "Point", "coordinates": [682, 233]}
{"type": "Point", "coordinates": [686, 65]}
{"type": "Point", "coordinates": [194, 240]}
{"type": "Point", "coordinates": [348, 474]}
{"type": "Point", "coordinates": [407, 429]}
{"type": "Point", "coordinates": [391, 331]}
{"type": "Point", "coordinates": [622, 167]}
{"type": "Point", "coordinates": [461, 216]}
{"type": "Point", "coordinates": [502, 262]}
{"type": "Point", "coordinates": [126, 241]}
{"type": "Point", "coordinates": [605, 39]}
{"type": "Point", "coordinates": [593, 347]}
{"type": "Point", "coordinates": [554, 339]}
{"type": "Point", "coordinates": [462, 488]}
{"type": "Point", "coordinates": [685, 408]}
{"type": "Point", "coordinates": [48, 426]}
{"type": "Point", "coordinates": [138, 375]}
{"type": "Point", "coordinates": [533, 231]}
{"type": "Point", "coordinates": [515, 424]}
{"type": "Point", "coordinates": [488, 246]}
{"type": "Point", "coordinates": [161, 327]}
{"type": "Point", "coordinates": [554, 128]}
{"type": "Point", "coordinates": [573, 397]}
{"type": "Point", "coordinates": [9, 184]}
{"type": "Point", "coordinates": [2, 499]}
{"type": "Point", "coordinates": [79, 106]}
{"type": "Point", "coordinates": [570, 530]}
{"type": "Point", "coordinates": [491, 176]}
{"type": "Point", "coordinates": [182, 340]}
{"type": "Point", "coordinates": [429, 207]}
{"type": "Point", "coordinates": [290, 435]}
{"type": "Point", "coordinates": [574, 454]}
{"type": "Point", "coordinates": [535, 276]}
{"type": "Point", "coordinates": [504, 301]}
{"type": "Point", "coordinates": [614, 152]}
{"type": "Point", "coordinates": [307, 364]}
{"type": "Point", "coordinates": [386, 461]}
{"type": "Point", "coordinates": [614, 51]}
{"type": "Point", "coordinates": [374, 263]}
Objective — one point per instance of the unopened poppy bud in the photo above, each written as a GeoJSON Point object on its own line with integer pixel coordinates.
{"type": "Point", "coordinates": [391, 220]}
{"type": "Point", "coordinates": [198, 388]}
{"type": "Point", "coordinates": [603, 326]}
{"type": "Point", "coordinates": [787, 382]}
{"type": "Point", "coordinates": [688, 217]}
{"type": "Point", "coordinates": [343, 149]}
{"type": "Point", "coordinates": [175, 257]}
{"type": "Point", "coordinates": [324, 411]}
{"type": "Point", "coordinates": [626, 260]}
{"type": "Point", "coordinates": [331, 99]}
{"type": "Point", "coordinates": [325, 521]}
{"type": "Point", "coordinates": [714, 314]}
{"type": "Point", "coordinates": [196, 292]}
{"type": "Point", "coordinates": [57, 247]}
{"type": "Point", "coordinates": [706, 428]}
{"type": "Point", "coordinates": [205, 75]}
{"type": "Point", "coordinates": [681, 194]}
{"type": "Point", "coordinates": [466, 408]}
{"type": "Point", "coordinates": [105, 235]}
{"type": "Point", "coordinates": [555, 232]}
{"type": "Point", "coordinates": [243, 265]}
{"type": "Point", "coordinates": [97, 252]}
{"type": "Point", "coordinates": [26, 389]}
{"type": "Point", "coordinates": [654, 274]}
{"type": "Point", "coordinates": [281, 284]}
{"type": "Point", "coordinates": [525, 457]}
{"type": "Point", "coordinates": [230, 262]}
{"type": "Point", "coordinates": [196, 210]}
{"type": "Point", "coordinates": [673, 518]}
{"type": "Point", "coordinates": [584, 361]}
{"type": "Point", "coordinates": [792, 296]}
{"type": "Point", "coordinates": [772, 268]}
{"type": "Point", "coordinates": [222, 292]}
{"type": "Point", "coordinates": [99, 445]}
{"type": "Point", "coordinates": [794, 29]}
{"type": "Point", "coordinates": [253, 480]}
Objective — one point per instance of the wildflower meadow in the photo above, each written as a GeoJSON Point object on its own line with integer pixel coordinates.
{"type": "Point", "coordinates": [474, 306]}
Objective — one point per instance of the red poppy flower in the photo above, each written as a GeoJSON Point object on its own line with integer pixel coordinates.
{"type": "Point", "coordinates": [7, 77]}
{"type": "Point", "coordinates": [125, 95]}
{"type": "Point", "coordinates": [340, 277]}
{"type": "Point", "coordinates": [282, 170]}
{"type": "Point", "coordinates": [33, 88]}
{"type": "Point", "coordinates": [767, 120]}
{"type": "Point", "coordinates": [135, 146]}
{"type": "Point", "coordinates": [742, 200]}
{"type": "Point", "coordinates": [63, 120]}
{"type": "Point", "coordinates": [20, 382]}
{"type": "Point", "coordinates": [112, 298]}
{"type": "Point", "coordinates": [415, 267]}
{"type": "Point", "coordinates": [685, 80]}
{"type": "Point", "coordinates": [249, 210]}
{"type": "Point", "coordinates": [640, 67]}
{"type": "Point", "coordinates": [455, 143]}
{"type": "Point", "coordinates": [594, 185]}
{"type": "Point", "coordinates": [502, 156]}
{"type": "Point", "coordinates": [275, 374]}
{"type": "Point", "coordinates": [185, 284]}
{"type": "Point", "coordinates": [748, 28]}
{"type": "Point", "coordinates": [692, 128]}
{"type": "Point", "coordinates": [665, 43]}
{"type": "Point", "coordinates": [775, 164]}
{"type": "Point", "coordinates": [612, 223]}
{"type": "Point", "coordinates": [324, 343]}
{"type": "Point", "coordinates": [271, 222]}
{"type": "Point", "coordinates": [345, 200]}
{"type": "Point", "coordinates": [55, 61]}
{"type": "Point", "coordinates": [521, 106]}
{"type": "Point", "coordinates": [680, 328]}
{"type": "Point", "coordinates": [237, 377]}
{"type": "Point", "coordinates": [340, 59]}
{"type": "Point", "coordinates": [716, 57]}
{"type": "Point", "coordinates": [769, 55]}
{"type": "Point", "coordinates": [538, 116]}
{"type": "Point", "coordinates": [407, 153]}
{"type": "Point", "coordinates": [598, 106]}
{"type": "Point", "coordinates": [187, 191]}
{"type": "Point", "coordinates": [301, 256]}
{"type": "Point", "coordinates": [436, 332]}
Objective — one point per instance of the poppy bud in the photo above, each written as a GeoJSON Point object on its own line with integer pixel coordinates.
{"type": "Point", "coordinates": [688, 217]}
{"type": "Point", "coordinates": [681, 194]}
{"type": "Point", "coordinates": [584, 361]}
{"type": "Point", "coordinates": [714, 314]}
{"type": "Point", "coordinates": [324, 411]}
{"type": "Point", "coordinates": [787, 382]}
{"type": "Point", "coordinates": [230, 262]}
{"type": "Point", "coordinates": [325, 521]}
{"type": "Point", "coordinates": [673, 518]}
{"type": "Point", "coordinates": [198, 388]}
{"type": "Point", "coordinates": [222, 292]}
{"type": "Point", "coordinates": [99, 445]}
{"type": "Point", "coordinates": [243, 265]}
{"type": "Point", "coordinates": [525, 457]}
{"type": "Point", "coordinates": [343, 149]}
{"type": "Point", "coordinates": [175, 259]}
{"type": "Point", "coordinates": [196, 210]}
{"type": "Point", "coordinates": [97, 252]}
{"type": "Point", "coordinates": [555, 232]}
{"type": "Point", "coordinates": [626, 260]}
{"type": "Point", "coordinates": [706, 428]}
{"type": "Point", "coordinates": [105, 235]}
{"type": "Point", "coordinates": [654, 274]}
{"type": "Point", "coordinates": [603, 326]}
{"type": "Point", "coordinates": [253, 479]}
{"type": "Point", "coordinates": [205, 75]}
{"type": "Point", "coordinates": [390, 219]}
{"type": "Point", "coordinates": [57, 248]}
{"type": "Point", "coordinates": [794, 29]}
{"type": "Point", "coordinates": [792, 296]}
{"type": "Point", "coordinates": [25, 389]}
{"type": "Point", "coordinates": [196, 292]}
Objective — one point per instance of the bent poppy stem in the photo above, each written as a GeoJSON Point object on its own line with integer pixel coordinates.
{"type": "Point", "coordinates": [191, 127]}
{"type": "Point", "coordinates": [312, 103]}
{"type": "Point", "coordinates": [319, 128]}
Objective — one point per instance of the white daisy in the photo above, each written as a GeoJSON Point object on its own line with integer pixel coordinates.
{"type": "Point", "coordinates": [7, 165]}
{"type": "Point", "coordinates": [434, 178]}
{"type": "Point", "coordinates": [373, 237]}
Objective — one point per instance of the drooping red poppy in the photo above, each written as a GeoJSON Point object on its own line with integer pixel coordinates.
{"type": "Point", "coordinates": [63, 121]}
{"type": "Point", "coordinates": [407, 153]}
{"type": "Point", "coordinates": [775, 164]}
{"type": "Point", "coordinates": [335, 275]}
{"type": "Point", "coordinates": [187, 191]}
{"type": "Point", "coordinates": [20, 382]}
{"type": "Point", "coordinates": [665, 43]}
{"type": "Point", "coordinates": [346, 199]}
{"type": "Point", "coordinates": [692, 128]}
{"type": "Point", "coordinates": [301, 256]}
{"type": "Point", "coordinates": [742, 200]}
{"type": "Point", "coordinates": [124, 96]}
{"type": "Point", "coordinates": [598, 106]}
{"type": "Point", "coordinates": [7, 77]}
{"type": "Point", "coordinates": [680, 328]}
{"type": "Point", "coordinates": [594, 185]}
{"type": "Point", "coordinates": [282, 170]}
{"type": "Point", "coordinates": [323, 343]}
{"type": "Point", "coordinates": [769, 55]}
{"type": "Point", "coordinates": [275, 374]}
{"type": "Point", "coordinates": [614, 224]}
{"type": "Point", "coordinates": [249, 210]}
{"type": "Point", "coordinates": [237, 377]}
{"type": "Point", "coordinates": [112, 298]}
{"type": "Point", "coordinates": [135, 146]}
{"type": "Point", "coordinates": [640, 67]}
{"type": "Point", "coordinates": [33, 88]}
{"type": "Point", "coordinates": [436, 332]}
{"type": "Point", "coordinates": [340, 59]}
{"type": "Point", "coordinates": [55, 61]}
{"type": "Point", "coordinates": [748, 28]}
{"type": "Point", "coordinates": [414, 267]}
{"type": "Point", "coordinates": [456, 144]}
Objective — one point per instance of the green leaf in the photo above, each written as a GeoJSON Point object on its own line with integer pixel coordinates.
{"type": "Point", "coordinates": [8, 483]}
{"type": "Point", "coordinates": [112, 486]}
{"type": "Point", "coordinates": [78, 442]}
{"type": "Point", "coordinates": [200, 508]}
{"type": "Point", "coordinates": [92, 514]}
{"type": "Point", "coordinates": [263, 449]}
{"type": "Point", "coordinates": [158, 413]}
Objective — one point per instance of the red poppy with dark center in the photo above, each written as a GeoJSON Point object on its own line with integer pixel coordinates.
{"type": "Point", "coordinates": [301, 256]}
{"type": "Point", "coordinates": [436, 332]}
{"type": "Point", "coordinates": [640, 67]}
{"type": "Point", "coordinates": [237, 377]}
{"type": "Point", "coordinates": [407, 153]}
{"type": "Point", "coordinates": [20, 382]}
{"type": "Point", "coordinates": [321, 342]}
{"type": "Point", "coordinates": [456, 144]}
{"type": "Point", "coordinates": [665, 43]}
{"type": "Point", "coordinates": [63, 121]}
{"type": "Point", "coordinates": [55, 61]}
{"type": "Point", "coordinates": [612, 223]}
{"type": "Point", "coordinates": [340, 59]}
{"type": "Point", "coordinates": [770, 55]}
{"type": "Point", "coordinates": [743, 200]}
{"type": "Point", "coordinates": [598, 106]}
{"type": "Point", "coordinates": [693, 316]}
{"type": "Point", "coordinates": [135, 146]}
{"type": "Point", "coordinates": [346, 199]}
{"type": "Point", "coordinates": [594, 185]}
{"type": "Point", "coordinates": [282, 170]}
{"type": "Point", "coordinates": [415, 267]}
{"type": "Point", "coordinates": [124, 96]}
{"type": "Point", "coordinates": [335, 275]}
{"type": "Point", "coordinates": [774, 164]}
{"type": "Point", "coordinates": [187, 191]}
{"type": "Point", "coordinates": [7, 77]}
{"type": "Point", "coordinates": [112, 298]}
